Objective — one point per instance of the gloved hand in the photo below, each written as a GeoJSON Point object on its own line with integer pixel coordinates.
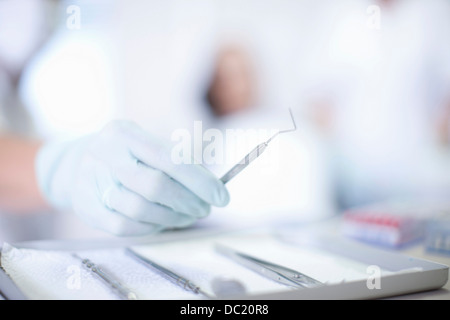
{"type": "Point", "coordinates": [123, 181]}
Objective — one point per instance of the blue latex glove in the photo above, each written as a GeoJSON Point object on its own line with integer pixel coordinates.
{"type": "Point", "coordinates": [123, 181]}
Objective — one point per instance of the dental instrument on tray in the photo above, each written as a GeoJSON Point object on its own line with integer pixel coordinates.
{"type": "Point", "coordinates": [222, 287]}
{"type": "Point", "coordinates": [270, 270]}
{"type": "Point", "coordinates": [169, 274]}
{"type": "Point", "coordinates": [113, 284]}
{"type": "Point", "coordinates": [255, 153]}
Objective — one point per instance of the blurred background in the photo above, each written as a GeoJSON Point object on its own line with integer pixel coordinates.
{"type": "Point", "coordinates": [368, 83]}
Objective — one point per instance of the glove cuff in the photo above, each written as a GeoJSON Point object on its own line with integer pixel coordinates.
{"type": "Point", "coordinates": [50, 173]}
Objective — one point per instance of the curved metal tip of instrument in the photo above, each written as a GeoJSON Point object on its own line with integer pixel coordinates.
{"type": "Point", "coordinates": [284, 131]}
{"type": "Point", "coordinates": [293, 122]}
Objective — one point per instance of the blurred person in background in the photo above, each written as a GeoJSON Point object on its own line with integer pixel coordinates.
{"type": "Point", "coordinates": [287, 184]}
{"type": "Point", "coordinates": [233, 83]}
